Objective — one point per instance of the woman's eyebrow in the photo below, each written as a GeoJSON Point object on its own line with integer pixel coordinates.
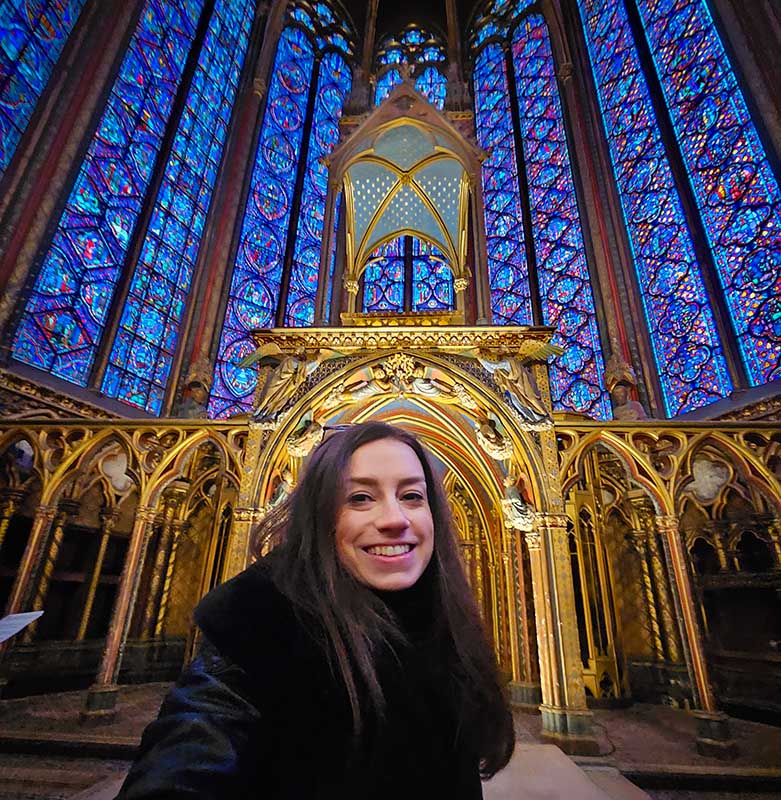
{"type": "Point", "coordinates": [374, 482]}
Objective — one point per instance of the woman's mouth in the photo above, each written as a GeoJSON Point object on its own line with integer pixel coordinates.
{"type": "Point", "coordinates": [389, 550]}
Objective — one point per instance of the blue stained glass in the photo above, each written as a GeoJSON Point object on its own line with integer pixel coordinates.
{"type": "Point", "coordinates": [65, 316]}
{"type": "Point", "coordinates": [432, 278]}
{"type": "Point", "coordinates": [432, 84]}
{"type": "Point", "coordinates": [414, 36]}
{"type": "Point", "coordinates": [383, 279]}
{"type": "Point", "coordinates": [386, 84]}
{"type": "Point", "coordinates": [392, 56]}
{"type": "Point", "coordinates": [577, 376]}
{"type": "Point", "coordinates": [734, 185]}
{"type": "Point", "coordinates": [333, 87]}
{"type": "Point", "coordinates": [508, 271]}
{"type": "Point", "coordinates": [257, 273]}
{"type": "Point", "coordinates": [33, 36]}
{"type": "Point", "coordinates": [142, 354]}
{"type": "Point", "coordinates": [691, 364]}
{"type": "Point", "coordinates": [433, 54]}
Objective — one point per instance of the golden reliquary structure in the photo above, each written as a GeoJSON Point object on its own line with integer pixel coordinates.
{"type": "Point", "coordinates": [449, 233]}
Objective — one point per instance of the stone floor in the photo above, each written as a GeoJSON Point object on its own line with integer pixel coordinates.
{"type": "Point", "coordinates": [45, 754]}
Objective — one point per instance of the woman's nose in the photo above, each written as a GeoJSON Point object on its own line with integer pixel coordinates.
{"type": "Point", "coordinates": [392, 515]}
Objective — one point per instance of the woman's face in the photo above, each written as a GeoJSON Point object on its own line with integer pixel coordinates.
{"type": "Point", "coordinates": [384, 528]}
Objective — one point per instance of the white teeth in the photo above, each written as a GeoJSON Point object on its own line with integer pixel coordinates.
{"type": "Point", "coordinates": [389, 549]}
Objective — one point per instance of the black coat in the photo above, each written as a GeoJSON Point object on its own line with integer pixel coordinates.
{"type": "Point", "coordinates": [259, 714]}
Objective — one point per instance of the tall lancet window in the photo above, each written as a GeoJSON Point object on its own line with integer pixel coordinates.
{"type": "Point", "coordinates": [536, 250]}
{"type": "Point", "coordinates": [734, 186]}
{"type": "Point", "coordinates": [420, 55]}
{"type": "Point", "coordinates": [674, 47]}
{"type": "Point", "coordinates": [177, 82]}
{"type": "Point", "coordinates": [409, 274]}
{"type": "Point", "coordinates": [276, 266]}
{"type": "Point", "coordinates": [33, 37]}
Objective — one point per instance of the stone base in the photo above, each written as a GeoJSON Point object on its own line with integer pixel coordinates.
{"type": "Point", "coordinates": [526, 697]}
{"type": "Point", "coordinates": [570, 730]}
{"type": "Point", "coordinates": [101, 705]}
{"type": "Point", "coordinates": [714, 737]}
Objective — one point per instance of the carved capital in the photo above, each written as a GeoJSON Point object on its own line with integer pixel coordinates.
{"type": "Point", "coordinates": [460, 284]}
{"type": "Point", "coordinates": [351, 286]}
{"type": "Point", "coordinates": [533, 540]}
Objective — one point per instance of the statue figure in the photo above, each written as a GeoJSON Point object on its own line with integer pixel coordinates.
{"type": "Point", "coordinates": [621, 380]}
{"type": "Point", "coordinates": [517, 385]}
{"type": "Point", "coordinates": [492, 440]}
{"type": "Point", "coordinates": [195, 397]}
{"type": "Point", "coordinates": [288, 375]}
{"type": "Point", "coordinates": [518, 514]}
{"type": "Point", "coordinates": [282, 490]}
{"type": "Point", "coordinates": [306, 437]}
{"type": "Point", "coordinates": [360, 387]}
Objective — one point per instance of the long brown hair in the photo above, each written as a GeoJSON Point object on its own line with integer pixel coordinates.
{"type": "Point", "coordinates": [306, 568]}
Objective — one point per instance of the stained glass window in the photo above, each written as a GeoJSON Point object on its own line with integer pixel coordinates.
{"type": "Point", "coordinates": [691, 364]}
{"type": "Point", "coordinates": [386, 84]}
{"type": "Point", "coordinates": [284, 158]}
{"type": "Point", "coordinates": [33, 36]}
{"type": "Point", "coordinates": [62, 324]}
{"type": "Point", "coordinates": [383, 278]}
{"type": "Point", "coordinates": [508, 271]}
{"type": "Point", "coordinates": [257, 273]}
{"type": "Point", "coordinates": [334, 83]}
{"type": "Point", "coordinates": [577, 376]}
{"type": "Point", "coordinates": [432, 278]}
{"type": "Point", "coordinates": [142, 353]}
{"type": "Point", "coordinates": [432, 84]}
{"type": "Point", "coordinates": [734, 185]}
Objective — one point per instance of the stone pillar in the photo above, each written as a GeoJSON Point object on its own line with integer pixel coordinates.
{"type": "Point", "coordinates": [102, 696]}
{"type": "Point", "coordinates": [65, 510]}
{"type": "Point", "coordinates": [713, 731]}
{"type": "Point", "coordinates": [566, 721]}
{"type": "Point", "coordinates": [39, 534]}
{"type": "Point", "coordinates": [670, 630]}
{"type": "Point", "coordinates": [179, 527]}
{"type": "Point", "coordinates": [9, 504]}
{"type": "Point", "coordinates": [171, 500]}
{"type": "Point", "coordinates": [108, 518]}
{"type": "Point", "coordinates": [640, 541]}
{"type": "Point", "coordinates": [525, 692]}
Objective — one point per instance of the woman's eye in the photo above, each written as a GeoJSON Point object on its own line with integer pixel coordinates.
{"type": "Point", "coordinates": [413, 497]}
{"type": "Point", "coordinates": [359, 497]}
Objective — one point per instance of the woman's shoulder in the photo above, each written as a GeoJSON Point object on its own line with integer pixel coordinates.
{"type": "Point", "coordinates": [247, 617]}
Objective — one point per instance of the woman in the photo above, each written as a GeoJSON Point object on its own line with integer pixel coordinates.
{"type": "Point", "coordinates": [350, 662]}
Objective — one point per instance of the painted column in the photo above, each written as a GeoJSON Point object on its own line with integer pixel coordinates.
{"type": "Point", "coordinates": [566, 721]}
{"type": "Point", "coordinates": [171, 501]}
{"type": "Point", "coordinates": [524, 690]}
{"type": "Point", "coordinates": [774, 530]}
{"type": "Point", "coordinates": [713, 732]}
{"type": "Point", "coordinates": [640, 542]}
{"type": "Point", "coordinates": [11, 500]}
{"type": "Point", "coordinates": [326, 248]}
{"type": "Point", "coordinates": [102, 695]}
{"type": "Point", "coordinates": [65, 510]}
{"type": "Point", "coordinates": [108, 519]}
{"type": "Point", "coordinates": [179, 527]}
{"type": "Point", "coordinates": [670, 630]}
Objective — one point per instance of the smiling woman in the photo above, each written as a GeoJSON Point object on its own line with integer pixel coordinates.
{"type": "Point", "coordinates": [348, 662]}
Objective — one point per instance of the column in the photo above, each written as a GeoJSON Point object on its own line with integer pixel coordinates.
{"type": "Point", "coordinates": [28, 567]}
{"type": "Point", "coordinates": [65, 510]}
{"type": "Point", "coordinates": [108, 519]}
{"type": "Point", "coordinates": [179, 527]}
{"type": "Point", "coordinates": [566, 721]}
{"type": "Point", "coordinates": [670, 630]}
{"type": "Point", "coordinates": [9, 504]}
{"type": "Point", "coordinates": [102, 696]}
{"type": "Point", "coordinates": [774, 530]}
{"type": "Point", "coordinates": [525, 692]}
{"type": "Point", "coordinates": [713, 731]}
{"type": "Point", "coordinates": [171, 501]}
{"type": "Point", "coordinates": [640, 542]}
{"type": "Point", "coordinates": [326, 246]}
